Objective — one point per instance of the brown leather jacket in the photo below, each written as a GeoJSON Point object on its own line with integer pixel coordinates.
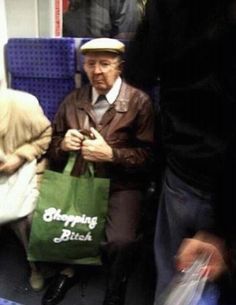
{"type": "Point", "coordinates": [127, 126]}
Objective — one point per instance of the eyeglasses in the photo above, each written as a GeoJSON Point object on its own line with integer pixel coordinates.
{"type": "Point", "coordinates": [104, 66]}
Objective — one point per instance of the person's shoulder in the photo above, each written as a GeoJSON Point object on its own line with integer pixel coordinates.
{"type": "Point", "coordinates": [80, 91]}
{"type": "Point", "coordinates": [77, 94]}
{"type": "Point", "coordinates": [138, 98]}
{"type": "Point", "coordinates": [135, 90]}
{"type": "Point", "coordinates": [22, 98]}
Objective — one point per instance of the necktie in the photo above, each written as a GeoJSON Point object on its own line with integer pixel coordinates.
{"type": "Point", "coordinates": [100, 107]}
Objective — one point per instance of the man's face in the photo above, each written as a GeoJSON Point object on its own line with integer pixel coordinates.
{"type": "Point", "coordinates": [102, 70]}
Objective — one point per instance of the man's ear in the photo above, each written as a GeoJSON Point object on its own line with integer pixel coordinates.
{"type": "Point", "coordinates": [121, 66]}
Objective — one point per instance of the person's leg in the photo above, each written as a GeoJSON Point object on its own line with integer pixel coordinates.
{"type": "Point", "coordinates": [121, 240]}
{"type": "Point", "coordinates": [59, 286]}
{"type": "Point", "coordinates": [21, 228]}
{"type": "Point", "coordinates": [182, 212]}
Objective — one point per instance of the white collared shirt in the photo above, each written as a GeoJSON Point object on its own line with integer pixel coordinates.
{"type": "Point", "coordinates": [111, 95]}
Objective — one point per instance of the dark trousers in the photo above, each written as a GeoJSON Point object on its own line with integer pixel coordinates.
{"type": "Point", "coordinates": [123, 220]}
{"type": "Point", "coordinates": [183, 211]}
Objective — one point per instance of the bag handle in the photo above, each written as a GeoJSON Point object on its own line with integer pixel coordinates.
{"type": "Point", "coordinates": [89, 172]}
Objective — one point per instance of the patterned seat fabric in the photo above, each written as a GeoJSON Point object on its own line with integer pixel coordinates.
{"type": "Point", "coordinates": [44, 67]}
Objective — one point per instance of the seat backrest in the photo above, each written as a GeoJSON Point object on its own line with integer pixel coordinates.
{"type": "Point", "coordinates": [45, 67]}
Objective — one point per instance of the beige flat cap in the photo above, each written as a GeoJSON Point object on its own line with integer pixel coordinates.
{"type": "Point", "coordinates": [103, 45]}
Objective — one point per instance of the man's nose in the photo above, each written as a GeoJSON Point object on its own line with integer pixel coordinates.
{"type": "Point", "coordinates": [97, 68]}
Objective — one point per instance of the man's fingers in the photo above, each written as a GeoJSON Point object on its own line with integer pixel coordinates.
{"type": "Point", "coordinates": [95, 133]}
{"type": "Point", "coordinates": [74, 133]}
{"type": "Point", "coordinates": [72, 140]}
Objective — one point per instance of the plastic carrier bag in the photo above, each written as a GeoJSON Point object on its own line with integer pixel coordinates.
{"type": "Point", "coordinates": [188, 287]}
{"type": "Point", "coordinates": [18, 193]}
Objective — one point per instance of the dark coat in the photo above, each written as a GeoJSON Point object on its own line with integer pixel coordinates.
{"type": "Point", "coordinates": [191, 47]}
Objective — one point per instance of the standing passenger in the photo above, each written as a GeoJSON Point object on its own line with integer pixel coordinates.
{"type": "Point", "coordinates": [191, 46]}
{"type": "Point", "coordinates": [102, 18]}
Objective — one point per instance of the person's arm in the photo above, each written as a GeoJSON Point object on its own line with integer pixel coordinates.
{"type": "Point", "coordinates": [125, 17]}
{"type": "Point", "coordinates": [27, 152]}
{"type": "Point", "coordinates": [56, 152]}
{"type": "Point", "coordinates": [137, 155]}
{"type": "Point", "coordinates": [66, 135]}
{"type": "Point", "coordinates": [209, 245]}
{"type": "Point", "coordinates": [141, 152]}
{"type": "Point", "coordinates": [37, 146]}
{"type": "Point", "coordinates": [39, 131]}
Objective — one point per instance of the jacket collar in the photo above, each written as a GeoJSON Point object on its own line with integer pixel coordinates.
{"type": "Point", "coordinates": [120, 105]}
{"type": "Point", "coordinates": [85, 106]}
{"type": "Point", "coordinates": [111, 95]}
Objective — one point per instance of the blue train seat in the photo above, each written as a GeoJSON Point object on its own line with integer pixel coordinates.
{"type": "Point", "coordinates": [44, 67]}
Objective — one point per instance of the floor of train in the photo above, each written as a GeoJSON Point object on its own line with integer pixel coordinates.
{"type": "Point", "coordinates": [15, 289]}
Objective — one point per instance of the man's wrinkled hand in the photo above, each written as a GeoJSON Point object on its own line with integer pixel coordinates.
{"type": "Point", "coordinates": [72, 140]}
{"type": "Point", "coordinates": [96, 149]}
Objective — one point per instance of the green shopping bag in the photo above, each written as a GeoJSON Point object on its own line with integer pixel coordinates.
{"type": "Point", "coordinates": [68, 223]}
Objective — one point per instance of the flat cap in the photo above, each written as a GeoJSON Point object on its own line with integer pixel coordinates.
{"type": "Point", "coordinates": [103, 45]}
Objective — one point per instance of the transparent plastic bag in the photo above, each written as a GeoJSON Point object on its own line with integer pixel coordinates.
{"type": "Point", "coordinates": [187, 287]}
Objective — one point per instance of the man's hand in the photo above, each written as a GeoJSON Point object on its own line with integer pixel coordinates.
{"type": "Point", "coordinates": [12, 163]}
{"type": "Point", "coordinates": [203, 244]}
{"type": "Point", "coordinates": [72, 140]}
{"type": "Point", "coordinates": [96, 149]}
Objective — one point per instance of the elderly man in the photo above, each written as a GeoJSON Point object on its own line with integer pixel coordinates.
{"type": "Point", "coordinates": [119, 119]}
